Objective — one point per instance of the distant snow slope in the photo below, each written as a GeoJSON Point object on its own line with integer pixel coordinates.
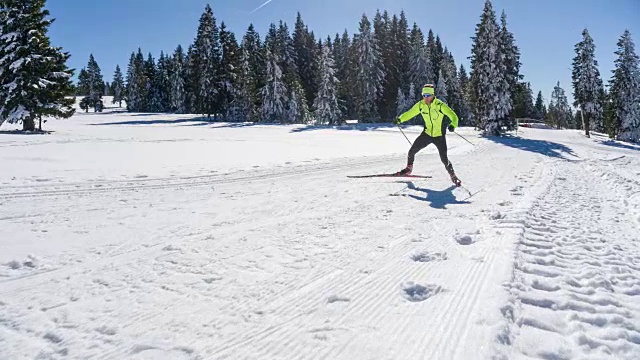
{"type": "Point", "coordinates": [162, 236]}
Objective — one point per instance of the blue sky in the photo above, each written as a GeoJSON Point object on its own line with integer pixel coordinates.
{"type": "Point", "coordinates": [545, 30]}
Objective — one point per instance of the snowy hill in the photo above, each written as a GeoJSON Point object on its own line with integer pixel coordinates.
{"type": "Point", "coordinates": [135, 236]}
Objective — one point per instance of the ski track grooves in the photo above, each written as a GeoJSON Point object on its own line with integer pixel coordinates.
{"type": "Point", "coordinates": [190, 181]}
{"type": "Point", "coordinates": [576, 280]}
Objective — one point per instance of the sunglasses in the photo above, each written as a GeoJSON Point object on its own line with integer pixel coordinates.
{"type": "Point", "coordinates": [427, 95]}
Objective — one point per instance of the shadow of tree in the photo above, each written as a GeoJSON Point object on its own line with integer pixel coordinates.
{"type": "Point", "coordinates": [620, 145]}
{"type": "Point", "coordinates": [156, 122]}
{"type": "Point", "coordinates": [356, 127]}
{"type": "Point", "coordinates": [20, 132]}
{"type": "Point", "coordinates": [542, 147]}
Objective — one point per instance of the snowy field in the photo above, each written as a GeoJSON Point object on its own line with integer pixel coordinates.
{"type": "Point", "coordinates": [137, 236]}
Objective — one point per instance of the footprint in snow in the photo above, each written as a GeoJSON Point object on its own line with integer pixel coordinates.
{"type": "Point", "coordinates": [334, 298]}
{"type": "Point", "coordinates": [464, 239]}
{"type": "Point", "coordinates": [425, 257]}
{"type": "Point", "coordinates": [417, 293]}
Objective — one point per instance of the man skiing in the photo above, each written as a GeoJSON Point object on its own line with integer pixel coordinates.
{"type": "Point", "coordinates": [433, 111]}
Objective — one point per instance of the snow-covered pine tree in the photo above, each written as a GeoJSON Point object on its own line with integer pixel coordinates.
{"type": "Point", "coordinates": [303, 53]}
{"type": "Point", "coordinates": [588, 88]}
{"type": "Point", "coordinates": [177, 95]}
{"type": "Point", "coordinates": [441, 88]}
{"type": "Point", "coordinates": [207, 57]}
{"type": "Point", "coordinates": [488, 74]}
{"type": "Point", "coordinates": [455, 96]}
{"type": "Point", "coordinates": [95, 84]}
{"type": "Point", "coordinates": [107, 89]}
{"type": "Point", "coordinates": [523, 101]}
{"type": "Point", "coordinates": [191, 81]}
{"type": "Point", "coordinates": [432, 50]}
{"type": "Point", "coordinates": [420, 65]}
{"type": "Point", "coordinates": [560, 113]}
{"type": "Point", "coordinates": [118, 86]}
{"type": "Point", "coordinates": [541, 109]}
{"type": "Point", "coordinates": [274, 93]}
{"type": "Point", "coordinates": [511, 57]}
{"type": "Point", "coordinates": [252, 45]}
{"type": "Point", "coordinates": [327, 109]}
{"type": "Point", "coordinates": [402, 49]}
{"type": "Point", "coordinates": [464, 113]}
{"type": "Point", "coordinates": [369, 74]}
{"type": "Point", "coordinates": [152, 100]}
{"type": "Point", "coordinates": [161, 84]}
{"type": "Point", "coordinates": [383, 32]}
{"type": "Point", "coordinates": [405, 99]}
{"type": "Point", "coordinates": [625, 90]}
{"type": "Point", "coordinates": [137, 91]}
{"type": "Point", "coordinates": [34, 78]}
{"type": "Point", "coordinates": [343, 58]}
{"type": "Point", "coordinates": [131, 93]}
{"type": "Point", "coordinates": [230, 72]}
{"type": "Point", "coordinates": [244, 107]}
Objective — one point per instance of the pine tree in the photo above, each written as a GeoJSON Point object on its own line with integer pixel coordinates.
{"type": "Point", "coordinates": [206, 59]}
{"type": "Point", "coordinates": [251, 44]}
{"type": "Point", "coordinates": [541, 109]}
{"type": "Point", "coordinates": [327, 109]}
{"type": "Point", "coordinates": [464, 113]}
{"type": "Point", "coordinates": [523, 101]}
{"type": "Point", "coordinates": [93, 83]}
{"type": "Point", "coordinates": [489, 85]}
{"type": "Point", "coordinates": [162, 84]}
{"type": "Point", "coordinates": [342, 57]}
{"type": "Point", "coordinates": [244, 105]}
{"type": "Point", "coordinates": [153, 98]}
{"type": "Point", "coordinates": [118, 87]}
{"type": "Point", "coordinates": [230, 72]}
{"type": "Point", "coordinates": [560, 113]}
{"type": "Point", "coordinates": [402, 50]}
{"type": "Point", "coordinates": [383, 33]}
{"type": "Point", "coordinates": [588, 89]}
{"type": "Point", "coordinates": [441, 88]}
{"type": "Point", "coordinates": [177, 95]}
{"type": "Point", "coordinates": [420, 65]}
{"type": "Point", "coordinates": [511, 59]}
{"type": "Point", "coordinates": [137, 84]}
{"type": "Point", "coordinates": [625, 91]}
{"type": "Point", "coordinates": [34, 78]}
{"type": "Point", "coordinates": [303, 53]}
{"type": "Point", "coordinates": [369, 75]}
{"type": "Point", "coordinates": [274, 93]}
{"type": "Point", "coordinates": [83, 83]}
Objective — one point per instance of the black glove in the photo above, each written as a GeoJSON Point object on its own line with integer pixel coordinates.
{"type": "Point", "coordinates": [396, 121]}
{"type": "Point", "coordinates": [451, 128]}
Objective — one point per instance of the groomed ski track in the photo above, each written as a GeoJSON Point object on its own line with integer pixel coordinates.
{"type": "Point", "coordinates": [299, 262]}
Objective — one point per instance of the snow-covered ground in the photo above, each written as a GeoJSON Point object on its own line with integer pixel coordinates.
{"type": "Point", "coordinates": [137, 236]}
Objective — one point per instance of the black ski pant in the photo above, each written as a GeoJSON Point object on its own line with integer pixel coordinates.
{"type": "Point", "coordinates": [423, 141]}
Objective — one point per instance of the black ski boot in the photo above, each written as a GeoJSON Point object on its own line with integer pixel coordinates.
{"type": "Point", "coordinates": [452, 173]}
{"type": "Point", "coordinates": [405, 171]}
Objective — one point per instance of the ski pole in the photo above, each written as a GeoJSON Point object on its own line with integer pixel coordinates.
{"type": "Point", "coordinates": [405, 136]}
{"type": "Point", "coordinates": [464, 138]}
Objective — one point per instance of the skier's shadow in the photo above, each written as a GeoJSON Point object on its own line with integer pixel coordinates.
{"type": "Point", "coordinates": [436, 199]}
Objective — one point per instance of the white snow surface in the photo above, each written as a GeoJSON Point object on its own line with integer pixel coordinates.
{"type": "Point", "coordinates": [141, 236]}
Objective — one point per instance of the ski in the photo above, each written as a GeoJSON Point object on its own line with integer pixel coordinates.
{"type": "Point", "coordinates": [389, 175]}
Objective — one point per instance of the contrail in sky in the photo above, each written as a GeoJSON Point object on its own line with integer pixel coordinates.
{"type": "Point", "coordinates": [261, 6]}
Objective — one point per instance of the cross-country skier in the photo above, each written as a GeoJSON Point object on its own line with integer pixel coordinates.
{"type": "Point", "coordinates": [433, 111]}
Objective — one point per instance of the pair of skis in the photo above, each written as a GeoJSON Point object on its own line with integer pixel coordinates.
{"type": "Point", "coordinates": [457, 181]}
